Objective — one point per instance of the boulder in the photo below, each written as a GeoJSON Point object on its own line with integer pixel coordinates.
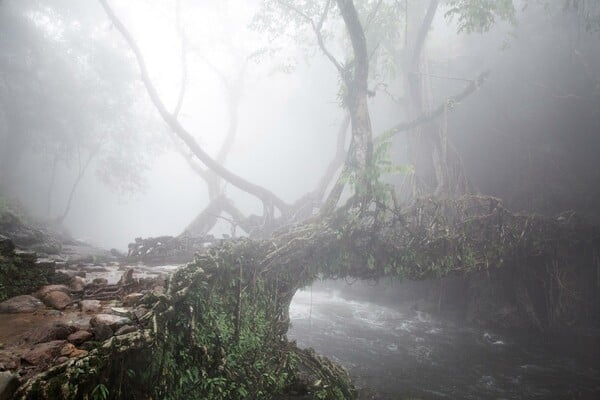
{"type": "Point", "coordinates": [90, 306]}
{"type": "Point", "coordinates": [44, 290]}
{"type": "Point", "coordinates": [123, 312]}
{"type": "Point", "coordinates": [57, 299]}
{"type": "Point", "coordinates": [78, 353]}
{"type": "Point", "coordinates": [9, 383]}
{"type": "Point", "coordinates": [102, 333]}
{"type": "Point", "coordinates": [42, 334]}
{"type": "Point", "coordinates": [67, 349]}
{"type": "Point", "coordinates": [21, 304]}
{"type": "Point", "coordinates": [132, 299]}
{"type": "Point", "coordinates": [111, 320]}
{"type": "Point", "coordinates": [125, 329]}
{"type": "Point", "coordinates": [61, 277]}
{"type": "Point", "coordinates": [77, 284]}
{"type": "Point", "coordinates": [44, 353]}
{"type": "Point", "coordinates": [79, 337]}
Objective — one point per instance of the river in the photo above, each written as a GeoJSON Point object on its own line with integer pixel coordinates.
{"type": "Point", "coordinates": [400, 353]}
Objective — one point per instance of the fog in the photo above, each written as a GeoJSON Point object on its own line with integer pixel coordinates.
{"type": "Point", "coordinates": [542, 75]}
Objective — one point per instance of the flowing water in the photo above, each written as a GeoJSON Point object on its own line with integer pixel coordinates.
{"type": "Point", "coordinates": [400, 353]}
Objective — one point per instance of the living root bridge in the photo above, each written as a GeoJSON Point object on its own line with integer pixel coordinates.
{"type": "Point", "coordinates": [220, 331]}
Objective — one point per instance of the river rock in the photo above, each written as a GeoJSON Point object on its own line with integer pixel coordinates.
{"type": "Point", "coordinates": [113, 321]}
{"type": "Point", "coordinates": [77, 284]}
{"type": "Point", "coordinates": [56, 299]}
{"type": "Point", "coordinates": [9, 383]}
{"type": "Point", "coordinates": [132, 299]}
{"type": "Point", "coordinates": [44, 290]}
{"type": "Point", "coordinates": [67, 349]}
{"type": "Point", "coordinates": [21, 304]}
{"type": "Point", "coordinates": [62, 359]}
{"type": "Point", "coordinates": [102, 333]}
{"type": "Point", "coordinates": [42, 334]}
{"type": "Point", "coordinates": [123, 312]}
{"type": "Point", "coordinates": [78, 353]}
{"type": "Point", "coordinates": [61, 277]}
{"type": "Point", "coordinates": [125, 329]}
{"type": "Point", "coordinates": [79, 337]}
{"type": "Point", "coordinates": [44, 353]}
{"type": "Point", "coordinates": [90, 306]}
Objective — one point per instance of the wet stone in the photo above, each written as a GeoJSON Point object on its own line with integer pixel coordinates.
{"type": "Point", "coordinates": [67, 349]}
{"type": "Point", "coordinates": [21, 304]}
{"type": "Point", "coordinates": [101, 333]}
{"type": "Point", "coordinates": [77, 284]}
{"type": "Point", "coordinates": [42, 334]}
{"type": "Point", "coordinates": [132, 299]}
{"type": "Point", "coordinates": [111, 320]}
{"type": "Point", "coordinates": [125, 329]}
{"type": "Point", "coordinates": [44, 353]}
{"type": "Point", "coordinates": [79, 337]}
{"type": "Point", "coordinates": [44, 290]}
{"type": "Point", "coordinates": [90, 306]}
{"type": "Point", "coordinates": [58, 300]}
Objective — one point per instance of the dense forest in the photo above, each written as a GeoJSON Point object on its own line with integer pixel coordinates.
{"type": "Point", "coordinates": [194, 195]}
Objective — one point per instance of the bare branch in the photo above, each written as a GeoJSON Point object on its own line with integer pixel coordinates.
{"type": "Point", "coordinates": [80, 174]}
{"type": "Point", "coordinates": [183, 61]}
{"type": "Point", "coordinates": [422, 34]}
{"type": "Point", "coordinates": [205, 221]}
{"type": "Point", "coordinates": [263, 194]}
{"type": "Point", "coordinates": [317, 30]}
{"type": "Point", "coordinates": [372, 15]}
{"type": "Point", "coordinates": [336, 162]}
{"type": "Point", "coordinates": [429, 116]}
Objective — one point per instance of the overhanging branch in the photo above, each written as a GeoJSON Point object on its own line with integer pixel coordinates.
{"type": "Point", "coordinates": [316, 27]}
{"type": "Point", "coordinates": [429, 116]}
{"type": "Point", "coordinates": [266, 196]}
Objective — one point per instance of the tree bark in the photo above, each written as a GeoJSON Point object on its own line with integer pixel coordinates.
{"type": "Point", "coordinates": [360, 156]}
{"type": "Point", "coordinates": [438, 169]}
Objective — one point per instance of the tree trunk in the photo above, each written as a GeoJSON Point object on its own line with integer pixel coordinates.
{"type": "Point", "coordinates": [438, 169]}
{"type": "Point", "coordinates": [360, 155]}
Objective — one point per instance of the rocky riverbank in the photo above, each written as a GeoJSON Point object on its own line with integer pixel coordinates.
{"type": "Point", "coordinates": [63, 299]}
